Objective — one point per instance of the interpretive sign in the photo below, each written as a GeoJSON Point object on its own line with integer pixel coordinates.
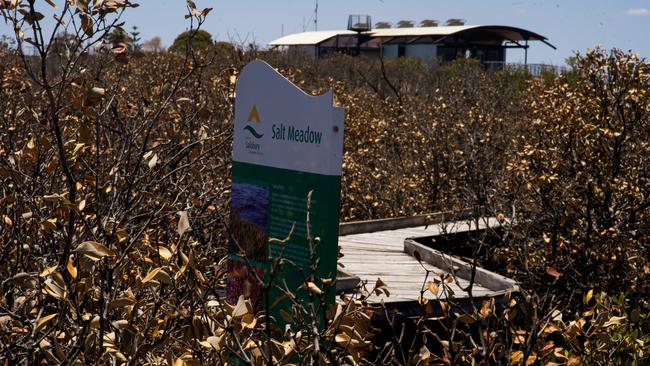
{"type": "Point", "coordinates": [287, 153]}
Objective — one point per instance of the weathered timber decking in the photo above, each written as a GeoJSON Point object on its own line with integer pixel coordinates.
{"type": "Point", "coordinates": [387, 254]}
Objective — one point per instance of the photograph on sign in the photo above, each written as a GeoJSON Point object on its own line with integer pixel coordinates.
{"type": "Point", "coordinates": [248, 217]}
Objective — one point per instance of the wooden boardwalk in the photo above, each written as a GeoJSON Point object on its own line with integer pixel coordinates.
{"type": "Point", "coordinates": [382, 254]}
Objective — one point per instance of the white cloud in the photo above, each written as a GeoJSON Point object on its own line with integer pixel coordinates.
{"type": "Point", "coordinates": [638, 12]}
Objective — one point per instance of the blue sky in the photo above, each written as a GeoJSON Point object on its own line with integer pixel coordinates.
{"type": "Point", "coordinates": [569, 24]}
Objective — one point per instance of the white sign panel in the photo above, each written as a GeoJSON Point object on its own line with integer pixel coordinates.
{"type": "Point", "coordinates": [305, 134]}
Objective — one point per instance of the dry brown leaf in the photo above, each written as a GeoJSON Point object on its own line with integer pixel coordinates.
{"type": "Point", "coordinates": [212, 342]}
{"type": "Point", "coordinates": [152, 163]}
{"type": "Point", "coordinates": [93, 250]}
{"type": "Point", "coordinates": [573, 361]}
{"type": "Point", "coordinates": [121, 302]}
{"type": "Point", "coordinates": [120, 324]}
{"type": "Point", "coordinates": [314, 289]}
{"type": "Point", "coordinates": [47, 271]}
{"type": "Point", "coordinates": [164, 253]}
{"type": "Point", "coordinates": [286, 317]}
{"type": "Point", "coordinates": [343, 339]}
{"type": "Point", "coordinates": [242, 308]}
{"type": "Point", "coordinates": [615, 320]}
{"type": "Point", "coordinates": [183, 223]}
{"type": "Point", "coordinates": [516, 357]}
{"type": "Point", "coordinates": [433, 287]}
{"type": "Point", "coordinates": [53, 289]}
{"type": "Point", "coordinates": [424, 353]}
{"type": "Point", "coordinates": [21, 279]}
{"type": "Point", "coordinates": [7, 220]}
{"type": "Point", "coordinates": [95, 94]}
{"type": "Point", "coordinates": [466, 319]}
{"type": "Point", "coordinates": [87, 24]}
{"type": "Point", "coordinates": [487, 308]}
{"type": "Point", "coordinates": [531, 359]}
{"type": "Point", "coordinates": [551, 271]}
{"type": "Point", "coordinates": [94, 322]}
{"type": "Point", "coordinates": [248, 321]}
{"type": "Point", "coordinates": [71, 268]}
{"type": "Point", "coordinates": [42, 322]}
{"type": "Point", "coordinates": [159, 275]}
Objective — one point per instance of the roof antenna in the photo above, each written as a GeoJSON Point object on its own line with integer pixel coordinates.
{"type": "Point", "coordinates": [316, 17]}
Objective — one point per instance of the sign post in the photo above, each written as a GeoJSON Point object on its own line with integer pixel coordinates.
{"type": "Point", "coordinates": [287, 154]}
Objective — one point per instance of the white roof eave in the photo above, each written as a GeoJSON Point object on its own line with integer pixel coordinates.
{"type": "Point", "coordinates": [315, 38]}
{"type": "Point", "coordinates": [308, 38]}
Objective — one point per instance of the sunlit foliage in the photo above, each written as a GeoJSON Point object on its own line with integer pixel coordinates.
{"type": "Point", "coordinates": [114, 189]}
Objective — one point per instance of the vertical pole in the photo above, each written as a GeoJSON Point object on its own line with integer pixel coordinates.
{"type": "Point", "coordinates": [358, 43]}
{"type": "Point", "coordinates": [526, 53]}
{"type": "Point", "coordinates": [316, 17]}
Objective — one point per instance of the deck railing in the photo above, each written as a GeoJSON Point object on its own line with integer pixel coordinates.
{"type": "Point", "coordinates": [534, 69]}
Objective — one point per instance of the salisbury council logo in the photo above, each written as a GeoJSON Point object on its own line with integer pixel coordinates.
{"type": "Point", "coordinates": [253, 115]}
{"type": "Point", "coordinates": [251, 141]}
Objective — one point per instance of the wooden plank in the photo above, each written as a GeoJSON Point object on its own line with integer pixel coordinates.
{"type": "Point", "coordinates": [404, 277]}
{"type": "Point", "coordinates": [380, 242]}
{"type": "Point", "coordinates": [390, 260]}
{"type": "Point", "coordinates": [372, 245]}
{"type": "Point", "coordinates": [486, 278]}
{"type": "Point", "coordinates": [360, 248]}
{"type": "Point", "coordinates": [414, 293]}
{"type": "Point", "coordinates": [417, 233]}
{"type": "Point", "coordinates": [389, 270]}
{"type": "Point", "coordinates": [395, 243]}
{"type": "Point", "coordinates": [405, 265]}
{"type": "Point", "coordinates": [384, 238]}
{"type": "Point", "coordinates": [395, 267]}
{"type": "Point", "coordinates": [404, 262]}
{"type": "Point", "coordinates": [403, 222]}
{"type": "Point", "coordinates": [354, 257]}
{"type": "Point", "coordinates": [364, 247]}
{"type": "Point", "coordinates": [375, 274]}
{"type": "Point", "coordinates": [371, 250]}
{"type": "Point", "coordinates": [377, 240]}
{"type": "Point", "coordinates": [408, 279]}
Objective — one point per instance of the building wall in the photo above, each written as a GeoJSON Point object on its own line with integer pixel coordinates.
{"type": "Point", "coordinates": [306, 50]}
{"type": "Point", "coordinates": [425, 52]}
{"type": "Point", "coordinates": [389, 51]}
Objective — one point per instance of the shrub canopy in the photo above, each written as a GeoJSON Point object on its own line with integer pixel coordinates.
{"type": "Point", "coordinates": [197, 39]}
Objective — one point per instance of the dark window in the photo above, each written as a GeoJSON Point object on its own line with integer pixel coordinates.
{"type": "Point", "coordinates": [401, 50]}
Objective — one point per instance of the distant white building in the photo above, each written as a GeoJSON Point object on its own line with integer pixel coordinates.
{"type": "Point", "coordinates": [487, 43]}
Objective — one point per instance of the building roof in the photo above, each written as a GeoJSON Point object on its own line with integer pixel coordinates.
{"type": "Point", "coordinates": [421, 31]}
{"type": "Point", "coordinates": [309, 38]}
{"type": "Point", "coordinates": [501, 32]}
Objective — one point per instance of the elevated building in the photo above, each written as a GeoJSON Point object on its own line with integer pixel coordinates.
{"type": "Point", "coordinates": [487, 43]}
